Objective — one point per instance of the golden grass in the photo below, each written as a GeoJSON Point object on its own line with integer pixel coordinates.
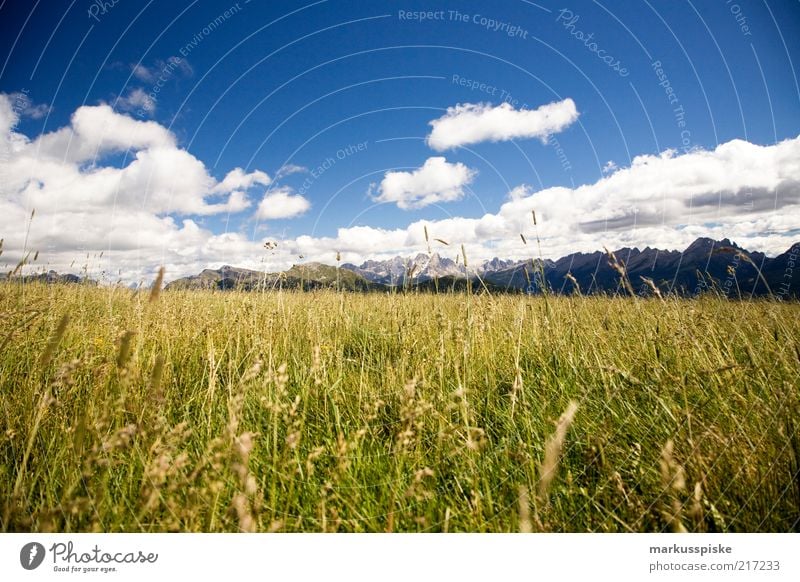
{"type": "Point", "coordinates": [290, 411]}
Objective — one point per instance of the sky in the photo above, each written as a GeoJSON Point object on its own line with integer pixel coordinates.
{"type": "Point", "coordinates": [189, 135]}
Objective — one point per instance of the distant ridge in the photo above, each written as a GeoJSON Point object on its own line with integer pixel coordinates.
{"type": "Point", "coordinates": [306, 276]}
{"type": "Point", "coordinates": [705, 266]}
{"type": "Point", "coordinates": [47, 277]}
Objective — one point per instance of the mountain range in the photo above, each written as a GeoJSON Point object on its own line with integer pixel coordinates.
{"type": "Point", "coordinates": [307, 276]}
{"type": "Point", "coordinates": [706, 265]}
{"type": "Point", "coordinates": [48, 277]}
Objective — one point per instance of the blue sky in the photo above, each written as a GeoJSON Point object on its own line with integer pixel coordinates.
{"type": "Point", "coordinates": [299, 85]}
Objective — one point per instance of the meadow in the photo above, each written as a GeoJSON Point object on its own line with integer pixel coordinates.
{"type": "Point", "coordinates": [324, 411]}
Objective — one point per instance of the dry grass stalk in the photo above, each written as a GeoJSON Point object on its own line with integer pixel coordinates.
{"type": "Point", "coordinates": [696, 512]}
{"type": "Point", "coordinates": [673, 480]}
{"type": "Point", "coordinates": [552, 451]}
{"type": "Point", "coordinates": [574, 282]}
{"type": "Point", "coordinates": [125, 349]}
{"type": "Point", "coordinates": [525, 523]}
{"type": "Point", "coordinates": [619, 267]}
{"type": "Point", "coordinates": [52, 344]}
{"type": "Point", "coordinates": [747, 259]}
{"type": "Point", "coordinates": [155, 291]}
{"type": "Point", "coordinates": [653, 287]}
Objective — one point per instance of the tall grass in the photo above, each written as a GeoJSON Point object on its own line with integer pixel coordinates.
{"type": "Point", "coordinates": [322, 411]}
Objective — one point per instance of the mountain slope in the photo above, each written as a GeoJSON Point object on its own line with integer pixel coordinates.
{"type": "Point", "coordinates": [307, 276]}
{"type": "Point", "coordinates": [705, 265]}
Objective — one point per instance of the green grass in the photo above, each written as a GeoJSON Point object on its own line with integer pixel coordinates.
{"type": "Point", "coordinates": [344, 412]}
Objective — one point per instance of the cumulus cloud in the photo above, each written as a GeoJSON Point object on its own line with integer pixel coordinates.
{"type": "Point", "coordinates": [238, 179]}
{"type": "Point", "coordinates": [282, 203]}
{"type": "Point", "coordinates": [88, 199]}
{"type": "Point", "coordinates": [436, 181]}
{"type": "Point", "coordinates": [14, 107]}
{"type": "Point", "coordinates": [609, 167]}
{"type": "Point", "coordinates": [65, 167]}
{"type": "Point", "coordinates": [96, 131]}
{"type": "Point", "coordinates": [8, 115]}
{"type": "Point", "coordinates": [26, 107]}
{"type": "Point", "coordinates": [521, 191]}
{"type": "Point", "coordinates": [473, 123]}
{"type": "Point", "coordinates": [735, 179]}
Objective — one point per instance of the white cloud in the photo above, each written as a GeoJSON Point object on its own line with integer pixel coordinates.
{"type": "Point", "coordinates": [14, 107]}
{"type": "Point", "coordinates": [96, 131]}
{"type": "Point", "coordinates": [521, 191]}
{"type": "Point", "coordinates": [736, 179]}
{"type": "Point", "coordinates": [473, 123]}
{"type": "Point", "coordinates": [282, 203]}
{"type": "Point", "coordinates": [143, 73]}
{"type": "Point", "coordinates": [26, 107]}
{"type": "Point", "coordinates": [8, 116]}
{"type": "Point", "coordinates": [137, 100]}
{"type": "Point", "coordinates": [137, 209]}
{"type": "Point", "coordinates": [290, 169]}
{"type": "Point", "coordinates": [162, 70]}
{"type": "Point", "coordinates": [436, 181]}
{"type": "Point", "coordinates": [238, 179]}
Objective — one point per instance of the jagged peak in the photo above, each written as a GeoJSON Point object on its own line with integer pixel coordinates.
{"type": "Point", "coordinates": [703, 243]}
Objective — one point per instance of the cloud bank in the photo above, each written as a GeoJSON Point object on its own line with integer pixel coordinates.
{"type": "Point", "coordinates": [739, 190]}
{"type": "Point", "coordinates": [107, 182]}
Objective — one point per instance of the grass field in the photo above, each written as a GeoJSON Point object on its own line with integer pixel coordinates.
{"type": "Point", "coordinates": [321, 411]}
